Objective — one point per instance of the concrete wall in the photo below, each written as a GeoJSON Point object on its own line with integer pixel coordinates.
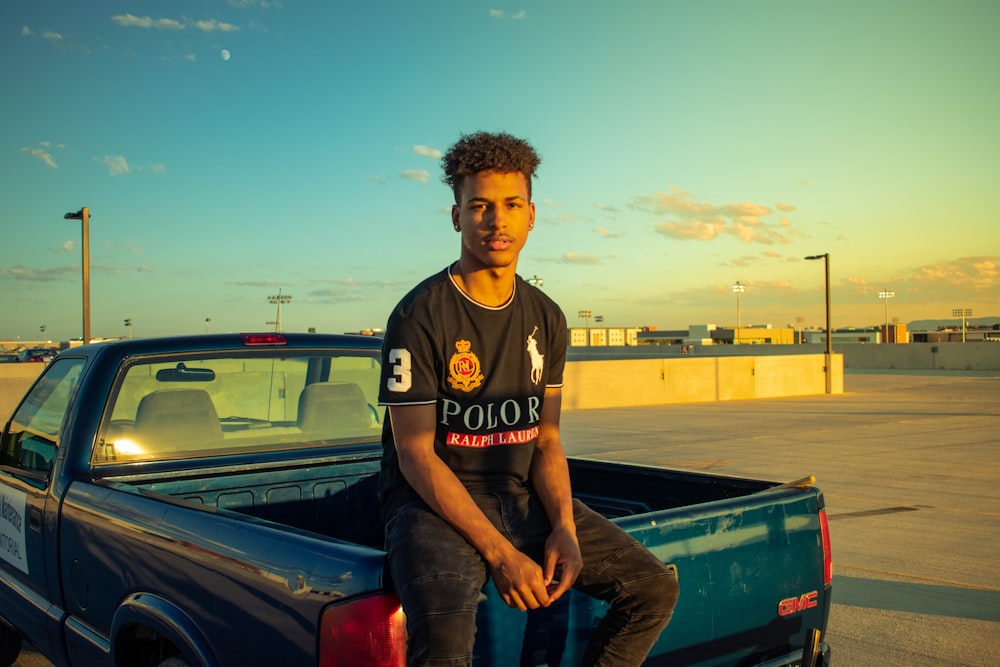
{"type": "Point", "coordinates": [619, 383]}
{"type": "Point", "coordinates": [957, 356]}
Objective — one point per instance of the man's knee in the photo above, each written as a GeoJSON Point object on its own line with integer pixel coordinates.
{"type": "Point", "coordinates": [655, 593]}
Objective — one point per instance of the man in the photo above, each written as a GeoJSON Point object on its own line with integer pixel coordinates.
{"type": "Point", "coordinates": [475, 483]}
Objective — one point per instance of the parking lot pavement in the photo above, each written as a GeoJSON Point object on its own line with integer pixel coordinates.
{"type": "Point", "coordinates": [908, 466]}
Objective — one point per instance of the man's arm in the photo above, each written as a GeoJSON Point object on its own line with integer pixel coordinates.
{"type": "Point", "coordinates": [518, 578]}
{"type": "Point", "coordinates": [550, 479]}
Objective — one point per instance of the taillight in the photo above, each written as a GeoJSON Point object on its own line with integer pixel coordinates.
{"type": "Point", "coordinates": [824, 529]}
{"type": "Point", "coordinates": [264, 339]}
{"type": "Point", "coordinates": [369, 632]}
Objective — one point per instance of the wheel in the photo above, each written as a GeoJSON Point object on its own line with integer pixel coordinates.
{"type": "Point", "coordinates": [10, 644]}
{"type": "Point", "coordinates": [174, 661]}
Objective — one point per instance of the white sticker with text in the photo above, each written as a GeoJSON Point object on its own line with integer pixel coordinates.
{"type": "Point", "coordinates": [13, 528]}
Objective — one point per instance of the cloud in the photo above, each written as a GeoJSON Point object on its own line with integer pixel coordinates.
{"type": "Point", "coordinates": [149, 23]}
{"type": "Point", "coordinates": [350, 290]}
{"type": "Point", "coordinates": [501, 14]}
{"type": "Point", "coordinates": [58, 40]}
{"type": "Point", "coordinates": [247, 4]}
{"type": "Point", "coordinates": [575, 258]}
{"type": "Point", "coordinates": [743, 262]}
{"type": "Point", "coordinates": [426, 151]}
{"type": "Point", "coordinates": [39, 276]}
{"type": "Point", "coordinates": [781, 206]}
{"type": "Point", "coordinates": [42, 155]}
{"type": "Point", "coordinates": [419, 175]}
{"type": "Point", "coordinates": [116, 164]}
{"type": "Point", "coordinates": [212, 25]}
{"type": "Point", "coordinates": [702, 221]}
{"type": "Point", "coordinates": [146, 22]}
{"type": "Point", "coordinates": [979, 273]}
{"type": "Point", "coordinates": [560, 219]}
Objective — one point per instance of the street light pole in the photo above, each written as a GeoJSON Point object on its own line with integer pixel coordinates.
{"type": "Point", "coordinates": [83, 215]}
{"type": "Point", "coordinates": [829, 331]}
{"type": "Point", "coordinates": [739, 289]}
{"type": "Point", "coordinates": [279, 299]}
{"type": "Point", "coordinates": [963, 313]}
{"type": "Point", "coordinates": [586, 315]}
{"type": "Point", "coordinates": [885, 295]}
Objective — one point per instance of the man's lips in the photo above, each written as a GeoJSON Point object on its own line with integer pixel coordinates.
{"type": "Point", "coordinates": [498, 242]}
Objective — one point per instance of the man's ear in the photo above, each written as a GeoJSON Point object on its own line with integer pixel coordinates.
{"type": "Point", "coordinates": [454, 218]}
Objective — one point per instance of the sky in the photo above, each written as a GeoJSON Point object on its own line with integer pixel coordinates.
{"type": "Point", "coordinates": [232, 150]}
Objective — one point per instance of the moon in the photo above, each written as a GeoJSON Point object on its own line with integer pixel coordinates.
{"type": "Point", "coordinates": [225, 54]}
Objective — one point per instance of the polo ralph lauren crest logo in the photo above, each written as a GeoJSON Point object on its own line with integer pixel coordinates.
{"type": "Point", "coordinates": [464, 371]}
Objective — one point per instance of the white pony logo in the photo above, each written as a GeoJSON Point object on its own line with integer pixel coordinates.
{"type": "Point", "coordinates": [537, 358]}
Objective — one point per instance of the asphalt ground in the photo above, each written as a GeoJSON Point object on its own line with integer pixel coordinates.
{"type": "Point", "coordinates": [909, 470]}
{"type": "Point", "coordinates": [908, 466]}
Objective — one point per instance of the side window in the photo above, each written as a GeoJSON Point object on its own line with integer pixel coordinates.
{"type": "Point", "coordinates": [31, 442]}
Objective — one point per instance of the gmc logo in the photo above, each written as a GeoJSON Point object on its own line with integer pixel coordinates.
{"type": "Point", "coordinates": [790, 606]}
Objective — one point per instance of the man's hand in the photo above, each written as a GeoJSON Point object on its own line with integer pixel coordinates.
{"type": "Point", "coordinates": [562, 550]}
{"type": "Point", "coordinates": [519, 581]}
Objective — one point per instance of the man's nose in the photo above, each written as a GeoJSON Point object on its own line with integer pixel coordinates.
{"type": "Point", "coordinates": [496, 217]}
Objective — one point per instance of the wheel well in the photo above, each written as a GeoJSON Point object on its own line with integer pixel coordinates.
{"type": "Point", "coordinates": [139, 646]}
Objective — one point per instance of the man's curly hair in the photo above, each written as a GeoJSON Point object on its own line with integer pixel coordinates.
{"type": "Point", "coordinates": [482, 151]}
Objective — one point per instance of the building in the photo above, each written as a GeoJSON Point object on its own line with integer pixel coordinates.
{"type": "Point", "coordinates": [957, 335]}
{"type": "Point", "coordinates": [604, 336]}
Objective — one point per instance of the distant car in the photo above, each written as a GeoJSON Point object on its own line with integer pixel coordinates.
{"type": "Point", "coordinates": [8, 358]}
{"type": "Point", "coordinates": [36, 355]}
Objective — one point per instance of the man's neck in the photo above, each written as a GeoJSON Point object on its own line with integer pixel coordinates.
{"type": "Point", "coordinates": [490, 286]}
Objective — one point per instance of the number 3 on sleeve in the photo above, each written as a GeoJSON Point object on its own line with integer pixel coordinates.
{"type": "Point", "coordinates": [402, 373]}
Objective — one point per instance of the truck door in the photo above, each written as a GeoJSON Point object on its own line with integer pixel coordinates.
{"type": "Point", "coordinates": [28, 449]}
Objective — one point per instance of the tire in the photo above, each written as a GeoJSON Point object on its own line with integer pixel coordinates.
{"type": "Point", "coordinates": [10, 644]}
{"type": "Point", "coordinates": [174, 661]}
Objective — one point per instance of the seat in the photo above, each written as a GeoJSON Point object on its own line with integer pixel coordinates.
{"type": "Point", "coordinates": [334, 409]}
{"type": "Point", "coordinates": [176, 419]}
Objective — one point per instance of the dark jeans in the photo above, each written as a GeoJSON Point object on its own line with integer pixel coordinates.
{"type": "Point", "coordinates": [439, 577]}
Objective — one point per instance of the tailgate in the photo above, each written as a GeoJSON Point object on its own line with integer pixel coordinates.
{"type": "Point", "coordinates": [751, 573]}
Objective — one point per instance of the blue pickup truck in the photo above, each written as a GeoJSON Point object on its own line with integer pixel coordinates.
{"type": "Point", "coordinates": [210, 501]}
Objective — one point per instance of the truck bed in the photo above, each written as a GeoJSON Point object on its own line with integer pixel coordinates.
{"type": "Point", "coordinates": [317, 494]}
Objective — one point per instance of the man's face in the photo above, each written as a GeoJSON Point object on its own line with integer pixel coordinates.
{"type": "Point", "coordinates": [494, 216]}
